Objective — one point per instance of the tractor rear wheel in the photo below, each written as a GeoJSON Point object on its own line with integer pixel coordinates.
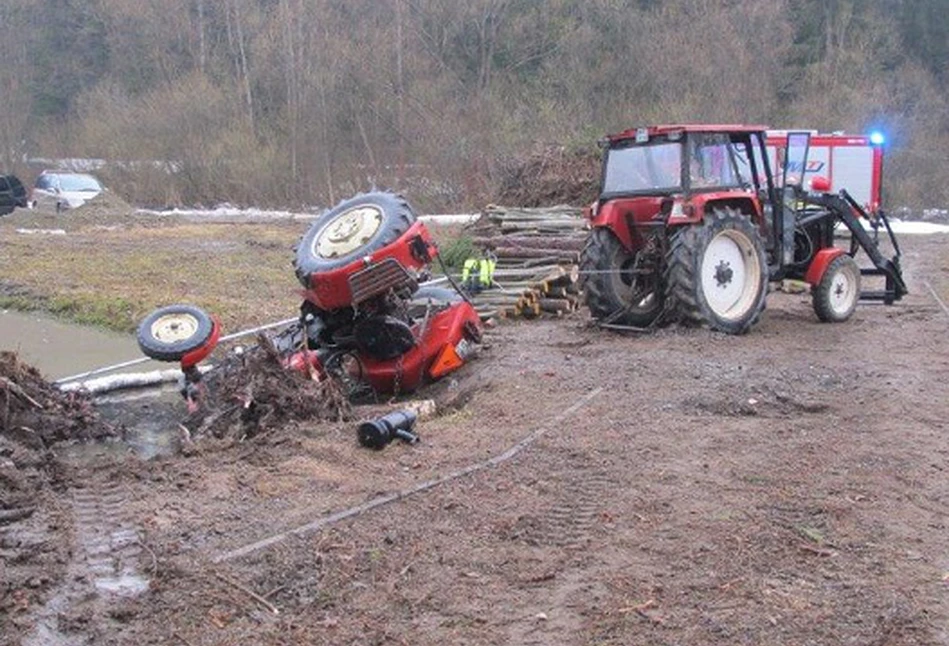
{"type": "Point", "coordinates": [617, 288]}
{"type": "Point", "coordinates": [836, 295]}
{"type": "Point", "coordinates": [716, 272]}
{"type": "Point", "coordinates": [352, 229]}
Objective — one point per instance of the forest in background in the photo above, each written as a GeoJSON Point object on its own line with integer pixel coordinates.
{"type": "Point", "coordinates": [302, 102]}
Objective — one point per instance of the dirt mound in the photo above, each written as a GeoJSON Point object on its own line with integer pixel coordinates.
{"type": "Point", "coordinates": [253, 392]}
{"type": "Point", "coordinates": [550, 177]}
{"type": "Point", "coordinates": [106, 209]}
{"type": "Point", "coordinates": [36, 413]}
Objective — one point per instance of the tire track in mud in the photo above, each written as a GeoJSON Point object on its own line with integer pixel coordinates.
{"type": "Point", "coordinates": [576, 494]}
{"type": "Point", "coordinates": [107, 551]}
{"type": "Point", "coordinates": [572, 513]}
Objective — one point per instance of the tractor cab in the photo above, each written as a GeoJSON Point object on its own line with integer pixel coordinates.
{"type": "Point", "coordinates": [672, 175]}
{"type": "Point", "coordinates": [679, 162]}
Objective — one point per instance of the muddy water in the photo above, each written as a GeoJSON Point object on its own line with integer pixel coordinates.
{"type": "Point", "coordinates": [60, 349]}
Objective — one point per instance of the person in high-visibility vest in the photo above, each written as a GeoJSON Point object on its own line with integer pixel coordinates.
{"type": "Point", "coordinates": [471, 275]}
{"type": "Point", "coordinates": [486, 271]}
{"type": "Point", "coordinates": [478, 273]}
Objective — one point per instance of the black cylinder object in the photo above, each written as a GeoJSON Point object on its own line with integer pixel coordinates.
{"type": "Point", "coordinates": [376, 433]}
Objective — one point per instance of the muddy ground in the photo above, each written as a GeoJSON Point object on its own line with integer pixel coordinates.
{"type": "Point", "coordinates": [579, 487]}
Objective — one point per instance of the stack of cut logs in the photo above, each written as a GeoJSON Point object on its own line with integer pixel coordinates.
{"type": "Point", "coordinates": [538, 252]}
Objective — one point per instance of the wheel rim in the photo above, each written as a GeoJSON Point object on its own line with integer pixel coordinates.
{"type": "Point", "coordinates": [730, 274]}
{"type": "Point", "coordinates": [843, 290]}
{"type": "Point", "coordinates": [348, 231]}
{"type": "Point", "coordinates": [174, 328]}
{"type": "Point", "coordinates": [623, 278]}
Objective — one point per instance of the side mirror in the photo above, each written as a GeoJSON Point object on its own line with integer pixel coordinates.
{"type": "Point", "coordinates": [820, 184]}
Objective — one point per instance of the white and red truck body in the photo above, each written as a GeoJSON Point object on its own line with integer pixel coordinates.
{"type": "Point", "coordinates": [853, 162]}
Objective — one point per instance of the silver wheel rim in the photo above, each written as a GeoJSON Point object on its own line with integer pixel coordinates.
{"type": "Point", "coordinates": [730, 275]}
{"type": "Point", "coordinates": [348, 231]}
{"type": "Point", "coordinates": [843, 290]}
{"type": "Point", "coordinates": [174, 328]}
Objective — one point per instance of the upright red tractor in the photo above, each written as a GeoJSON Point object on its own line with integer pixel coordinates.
{"type": "Point", "coordinates": [692, 222]}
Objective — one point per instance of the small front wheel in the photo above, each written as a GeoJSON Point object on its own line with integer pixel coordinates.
{"type": "Point", "coordinates": [170, 333]}
{"type": "Point", "coordinates": [836, 295]}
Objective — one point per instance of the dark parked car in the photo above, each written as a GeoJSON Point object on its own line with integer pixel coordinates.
{"type": "Point", "coordinates": [12, 194]}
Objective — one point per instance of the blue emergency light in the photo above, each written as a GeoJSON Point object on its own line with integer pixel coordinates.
{"type": "Point", "coordinates": [877, 138]}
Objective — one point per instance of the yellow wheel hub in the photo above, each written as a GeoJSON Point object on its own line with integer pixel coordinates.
{"type": "Point", "coordinates": [347, 232]}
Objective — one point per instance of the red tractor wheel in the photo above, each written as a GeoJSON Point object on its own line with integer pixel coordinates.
{"type": "Point", "coordinates": [617, 288]}
{"type": "Point", "coordinates": [171, 333]}
{"type": "Point", "coordinates": [836, 295]}
{"type": "Point", "coordinates": [354, 228]}
{"type": "Point", "coordinates": [716, 273]}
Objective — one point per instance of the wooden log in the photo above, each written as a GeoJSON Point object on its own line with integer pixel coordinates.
{"type": "Point", "coordinates": [560, 242]}
{"type": "Point", "coordinates": [553, 226]}
{"type": "Point", "coordinates": [531, 311]}
{"type": "Point", "coordinates": [561, 276]}
{"type": "Point", "coordinates": [517, 273]}
{"type": "Point", "coordinates": [527, 254]}
{"type": "Point", "coordinates": [555, 292]}
{"type": "Point", "coordinates": [124, 381]}
{"type": "Point", "coordinates": [543, 211]}
{"type": "Point", "coordinates": [13, 515]}
{"type": "Point", "coordinates": [541, 262]}
{"type": "Point", "coordinates": [556, 305]}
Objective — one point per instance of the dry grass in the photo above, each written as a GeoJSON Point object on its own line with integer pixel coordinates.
{"type": "Point", "coordinates": [112, 274]}
{"type": "Point", "coordinates": [113, 266]}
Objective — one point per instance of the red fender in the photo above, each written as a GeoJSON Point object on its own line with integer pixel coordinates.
{"type": "Point", "coordinates": [815, 271]}
{"type": "Point", "coordinates": [198, 355]}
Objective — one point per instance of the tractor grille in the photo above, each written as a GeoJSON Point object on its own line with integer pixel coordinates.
{"type": "Point", "coordinates": [378, 279]}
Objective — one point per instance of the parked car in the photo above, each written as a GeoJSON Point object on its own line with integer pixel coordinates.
{"type": "Point", "coordinates": [12, 194]}
{"type": "Point", "coordinates": [64, 190]}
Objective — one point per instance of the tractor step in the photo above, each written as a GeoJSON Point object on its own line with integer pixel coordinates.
{"type": "Point", "coordinates": [887, 296]}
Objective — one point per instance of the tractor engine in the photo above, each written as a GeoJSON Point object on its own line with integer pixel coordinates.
{"type": "Point", "coordinates": [361, 264]}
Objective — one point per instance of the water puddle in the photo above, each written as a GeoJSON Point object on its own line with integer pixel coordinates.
{"type": "Point", "coordinates": [59, 349]}
{"type": "Point", "coordinates": [149, 415]}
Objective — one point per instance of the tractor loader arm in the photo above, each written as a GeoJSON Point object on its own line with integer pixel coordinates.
{"type": "Point", "coordinates": [842, 206]}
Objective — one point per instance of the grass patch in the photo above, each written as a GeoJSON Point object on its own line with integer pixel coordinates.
{"type": "Point", "coordinates": [455, 251]}
{"type": "Point", "coordinates": [112, 278]}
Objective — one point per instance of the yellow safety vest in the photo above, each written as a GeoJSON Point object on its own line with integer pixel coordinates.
{"type": "Point", "coordinates": [471, 265]}
{"type": "Point", "coordinates": [480, 269]}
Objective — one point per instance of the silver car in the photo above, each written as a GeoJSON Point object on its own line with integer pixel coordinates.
{"type": "Point", "coordinates": [64, 190]}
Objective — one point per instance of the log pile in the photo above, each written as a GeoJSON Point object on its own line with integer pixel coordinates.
{"type": "Point", "coordinates": [538, 255]}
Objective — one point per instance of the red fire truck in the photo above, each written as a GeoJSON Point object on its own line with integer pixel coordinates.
{"type": "Point", "coordinates": [853, 162]}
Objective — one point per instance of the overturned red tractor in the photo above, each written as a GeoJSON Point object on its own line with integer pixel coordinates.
{"type": "Point", "coordinates": [365, 319]}
{"type": "Point", "coordinates": [692, 222]}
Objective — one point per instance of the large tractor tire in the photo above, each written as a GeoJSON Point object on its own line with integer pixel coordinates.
{"type": "Point", "coordinates": [716, 273]}
{"type": "Point", "coordinates": [354, 228]}
{"type": "Point", "coordinates": [608, 283]}
{"type": "Point", "coordinates": [836, 295]}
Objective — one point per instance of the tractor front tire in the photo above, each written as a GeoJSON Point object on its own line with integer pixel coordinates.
{"type": "Point", "coordinates": [354, 228]}
{"type": "Point", "coordinates": [716, 273]}
{"type": "Point", "coordinates": [607, 270]}
{"type": "Point", "coordinates": [170, 333]}
{"type": "Point", "coordinates": [836, 295]}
